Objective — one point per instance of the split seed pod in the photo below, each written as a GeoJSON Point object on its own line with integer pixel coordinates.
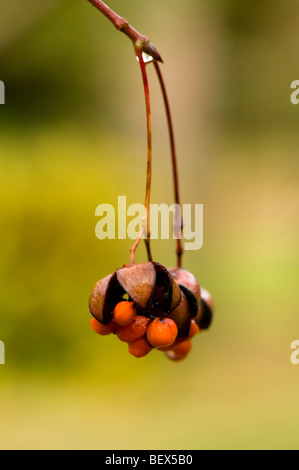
{"type": "Point", "coordinates": [187, 279]}
{"type": "Point", "coordinates": [205, 312]}
{"type": "Point", "coordinates": [149, 285]}
{"type": "Point", "coordinates": [188, 307]}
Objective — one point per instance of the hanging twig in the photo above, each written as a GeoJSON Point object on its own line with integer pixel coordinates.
{"type": "Point", "coordinates": [178, 217]}
{"type": "Point", "coordinates": [122, 25]}
{"type": "Point", "coordinates": [146, 220]}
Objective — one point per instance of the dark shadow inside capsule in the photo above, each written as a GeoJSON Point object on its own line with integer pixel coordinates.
{"type": "Point", "coordinates": [160, 302]}
{"type": "Point", "coordinates": [206, 316]}
{"type": "Point", "coordinates": [187, 310]}
{"type": "Point", "coordinates": [193, 304]}
{"type": "Point", "coordinates": [114, 295]}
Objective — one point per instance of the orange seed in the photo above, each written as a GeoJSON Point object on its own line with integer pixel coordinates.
{"type": "Point", "coordinates": [161, 332]}
{"type": "Point", "coordinates": [139, 348]}
{"type": "Point", "coordinates": [180, 351]}
{"type": "Point", "coordinates": [134, 330]}
{"type": "Point", "coordinates": [102, 329]}
{"type": "Point", "coordinates": [124, 312]}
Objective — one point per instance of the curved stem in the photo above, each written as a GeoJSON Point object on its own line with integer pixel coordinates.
{"type": "Point", "coordinates": [122, 25]}
{"type": "Point", "coordinates": [137, 241]}
{"type": "Point", "coordinates": [146, 220]}
{"type": "Point", "coordinates": [178, 218]}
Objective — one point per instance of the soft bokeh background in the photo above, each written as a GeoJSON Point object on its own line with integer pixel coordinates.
{"type": "Point", "coordinates": [72, 136]}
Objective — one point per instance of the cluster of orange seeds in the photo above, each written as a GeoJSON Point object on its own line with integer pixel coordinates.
{"type": "Point", "coordinates": [143, 335]}
{"type": "Point", "coordinates": [164, 310]}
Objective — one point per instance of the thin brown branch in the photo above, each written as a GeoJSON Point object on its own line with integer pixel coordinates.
{"type": "Point", "coordinates": [146, 221]}
{"type": "Point", "coordinates": [149, 153]}
{"type": "Point", "coordinates": [137, 241]}
{"type": "Point", "coordinates": [122, 25]}
{"type": "Point", "coordinates": [178, 218]}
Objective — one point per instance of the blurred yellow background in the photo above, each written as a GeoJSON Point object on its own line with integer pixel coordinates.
{"type": "Point", "coordinates": [72, 136]}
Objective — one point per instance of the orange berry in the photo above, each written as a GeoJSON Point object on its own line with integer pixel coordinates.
{"type": "Point", "coordinates": [103, 329]}
{"type": "Point", "coordinates": [134, 330]}
{"type": "Point", "coordinates": [183, 348]}
{"type": "Point", "coordinates": [124, 312]}
{"type": "Point", "coordinates": [161, 332]}
{"type": "Point", "coordinates": [139, 348]}
{"type": "Point", "coordinates": [180, 351]}
{"type": "Point", "coordinates": [194, 329]}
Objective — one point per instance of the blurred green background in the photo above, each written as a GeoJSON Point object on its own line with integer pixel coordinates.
{"type": "Point", "coordinates": [72, 136]}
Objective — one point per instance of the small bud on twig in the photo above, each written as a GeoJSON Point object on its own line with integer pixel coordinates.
{"type": "Point", "coordinates": [140, 41]}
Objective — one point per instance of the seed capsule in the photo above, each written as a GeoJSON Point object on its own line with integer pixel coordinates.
{"type": "Point", "coordinates": [149, 285]}
{"type": "Point", "coordinates": [97, 299]}
{"type": "Point", "coordinates": [204, 315]}
{"type": "Point", "coordinates": [185, 278]}
{"type": "Point", "coordinates": [183, 314]}
{"type": "Point", "coordinates": [149, 306]}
